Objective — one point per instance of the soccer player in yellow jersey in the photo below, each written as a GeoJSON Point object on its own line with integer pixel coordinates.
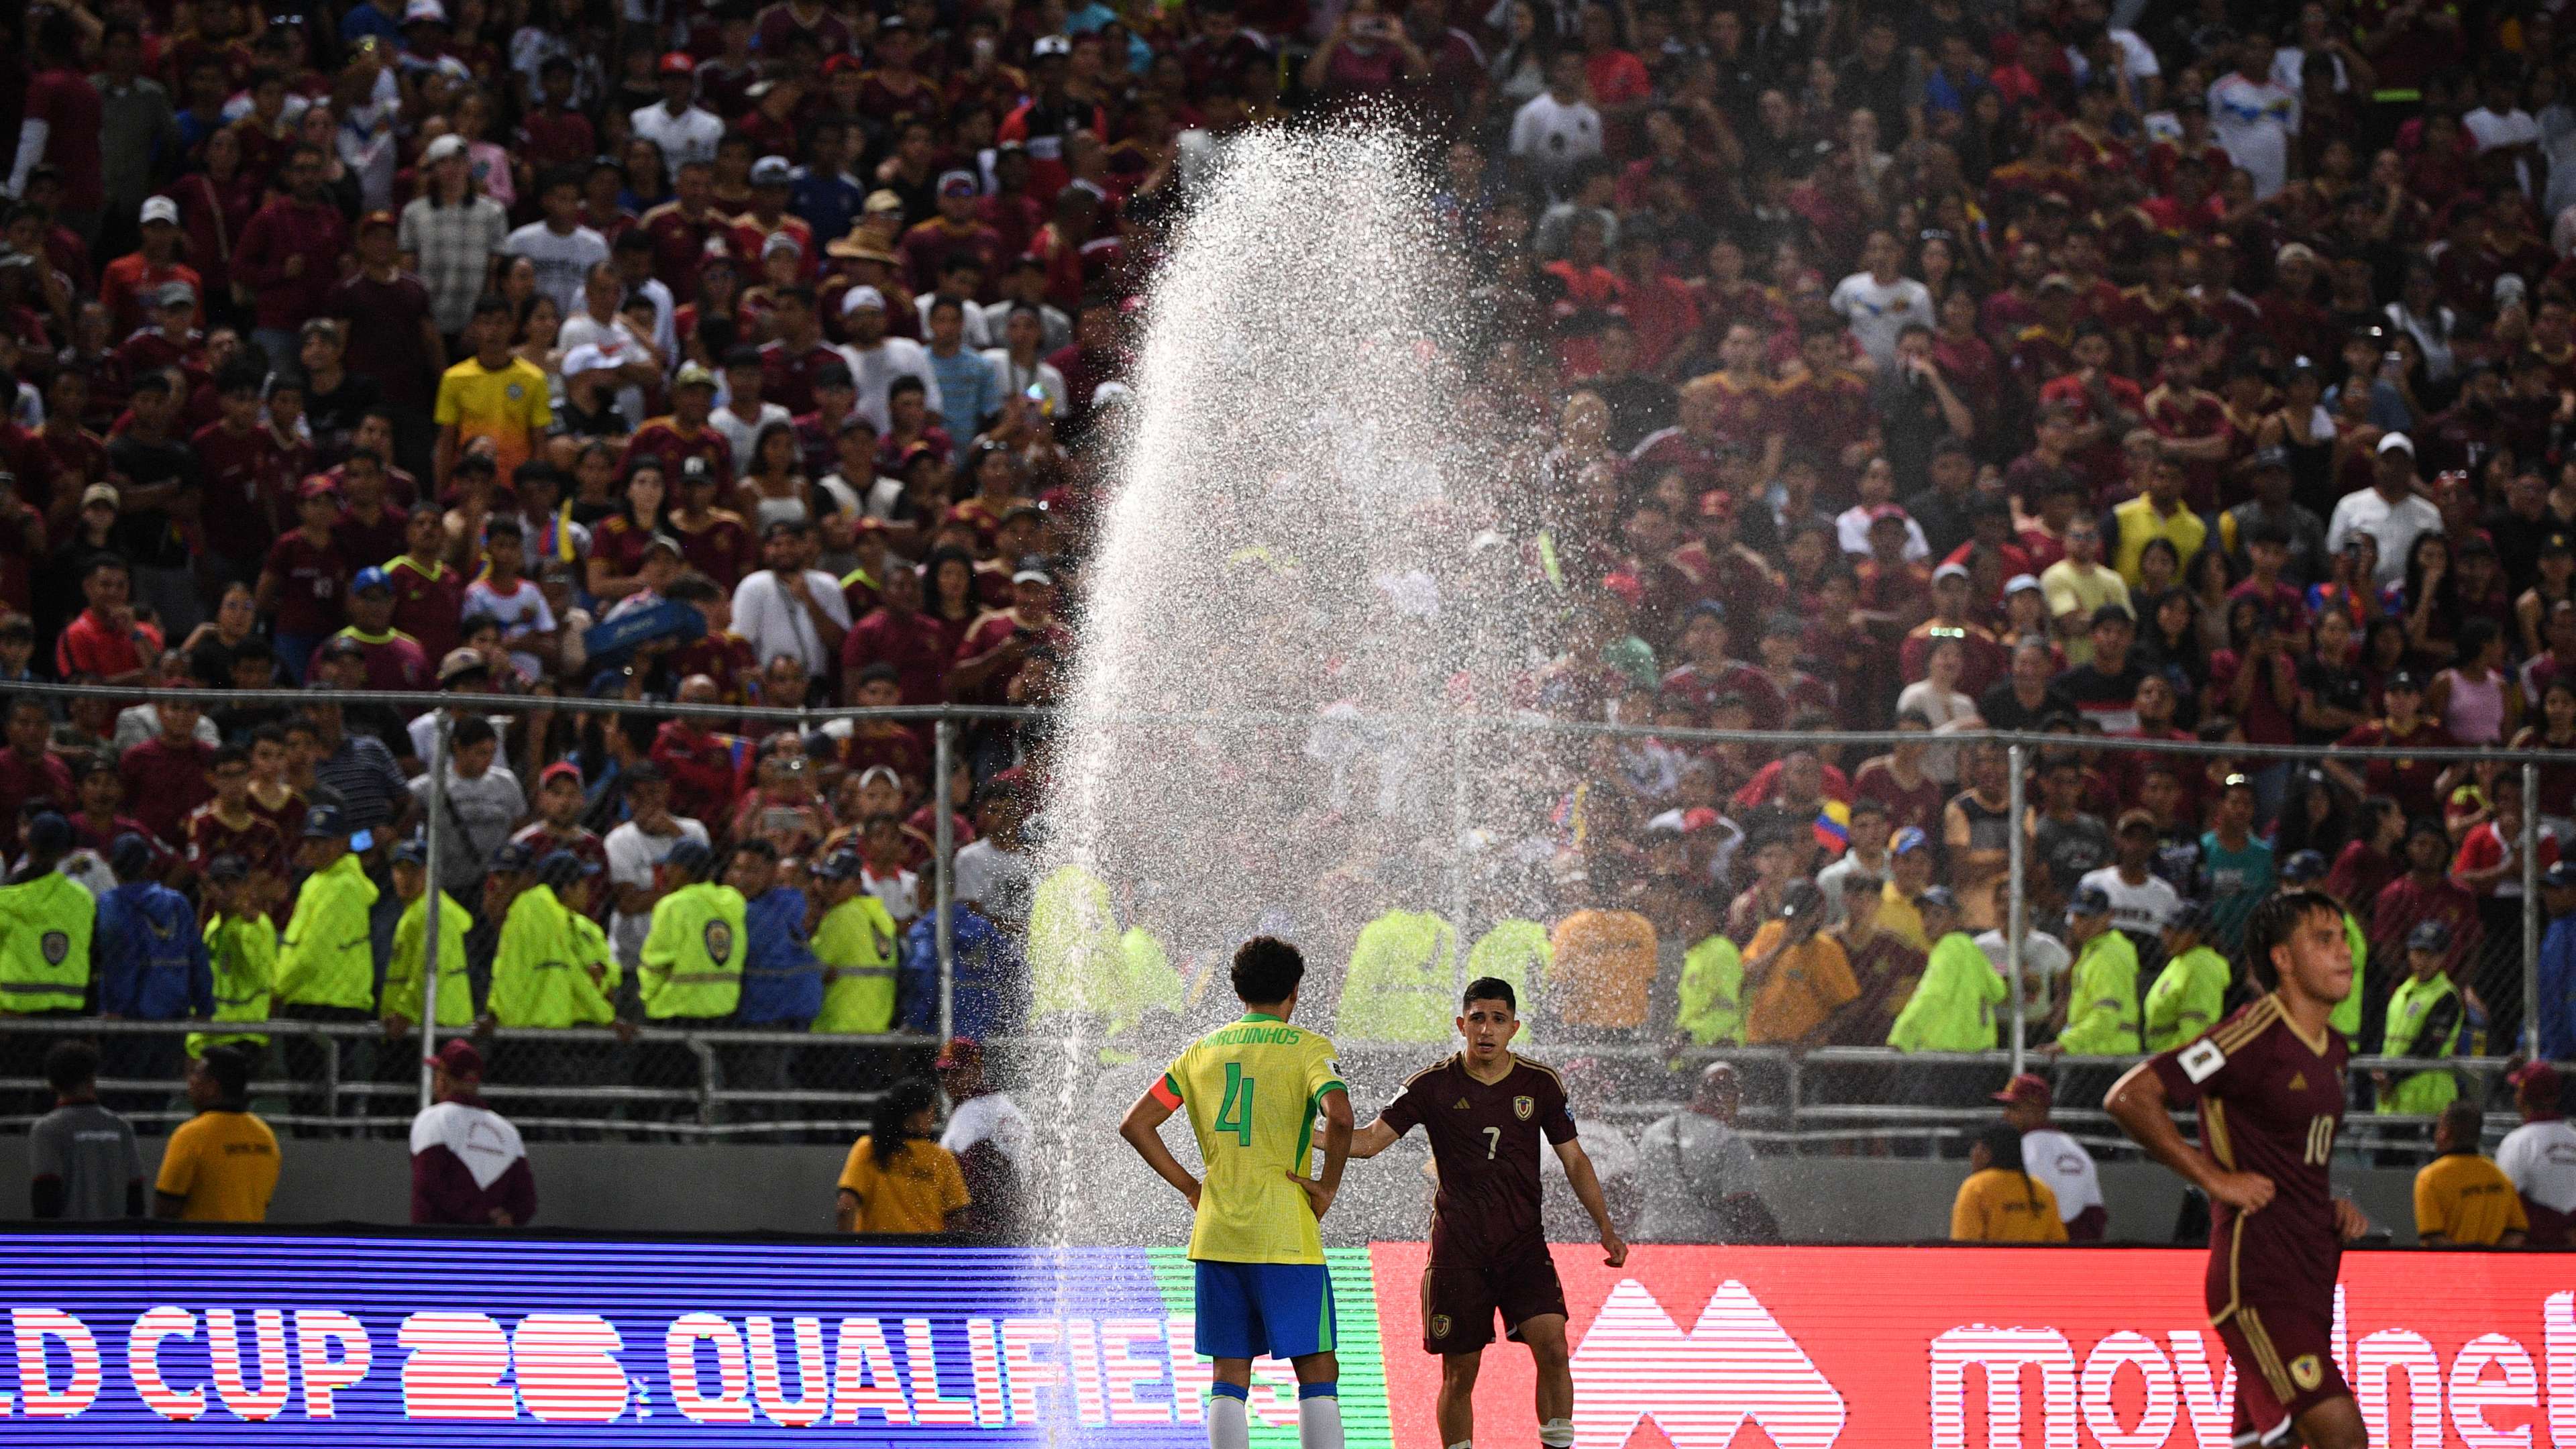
{"type": "Point", "coordinates": [1253, 1089]}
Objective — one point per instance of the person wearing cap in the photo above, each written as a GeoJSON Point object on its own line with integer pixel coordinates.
{"type": "Point", "coordinates": [1713, 1192]}
{"type": "Point", "coordinates": [1796, 978]}
{"type": "Point", "coordinates": [691, 960]}
{"type": "Point", "coordinates": [951, 233]}
{"type": "Point", "coordinates": [712, 538]}
{"type": "Point", "coordinates": [876, 359]}
{"type": "Point", "coordinates": [493, 394]}
{"type": "Point", "coordinates": [854, 940]}
{"type": "Point", "coordinates": [687, 134]}
{"type": "Point", "coordinates": [2055, 1158]}
{"type": "Point", "coordinates": [542, 975]}
{"type": "Point", "coordinates": [2414, 783]}
{"type": "Point", "coordinates": [2304, 558]}
{"type": "Point", "coordinates": [468, 1165]}
{"type": "Point", "coordinates": [2142, 902]}
{"type": "Point", "coordinates": [2238, 864]}
{"type": "Point", "coordinates": [2422, 1022]}
{"type": "Point", "coordinates": [2102, 994]}
{"type": "Point", "coordinates": [1982, 660]}
{"type": "Point", "coordinates": [2462, 1198]}
{"type": "Point", "coordinates": [125, 284]}
{"type": "Point", "coordinates": [151, 959]}
{"type": "Point", "coordinates": [757, 232]}
{"type": "Point", "coordinates": [304, 581]}
{"type": "Point", "coordinates": [221, 1165]}
{"type": "Point", "coordinates": [562, 796]}
{"type": "Point", "coordinates": [1952, 1009]}
{"type": "Point", "coordinates": [394, 660]}
{"type": "Point", "coordinates": [2391, 510]}
{"type": "Point", "coordinates": [48, 923]}
{"type": "Point", "coordinates": [241, 953]}
{"type": "Point", "coordinates": [2540, 1155]}
{"type": "Point", "coordinates": [999, 645]}
{"type": "Point", "coordinates": [406, 969]}
{"type": "Point", "coordinates": [2190, 992]}
{"type": "Point", "coordinates": [326, 965]}
{"type": "Point", "coordinates": [449, 235]}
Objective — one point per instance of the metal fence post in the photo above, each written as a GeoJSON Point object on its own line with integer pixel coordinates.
{"type": "Point", "coordinates": [2014, 906]}
{"type": "Point", "coordinates": [2530, 914]}
{"type": "Point", "coordinates": [432, 836]}
{"type": "Point", "coordinates": [944, 831]}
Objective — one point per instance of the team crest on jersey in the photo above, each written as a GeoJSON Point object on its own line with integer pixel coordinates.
{"type": "Point", "coordinates": [2306, 1372]}
{"type": "Point", "coordinates": [515, 391]}
{"type": "Point", "coordinates": [1440, 1325]}
{"type": "Point", "coordinates": [56, 946]}
{"type": "Point", "coordinates": [1522, 1107]}
{"type": "Point", "coordinates": [720, 940]}
{"type": "Point", "coordinates": [2201, 1060]}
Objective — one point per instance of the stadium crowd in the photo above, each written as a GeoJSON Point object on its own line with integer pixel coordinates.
{"type": "Point", "coordinates": [2170, 373]}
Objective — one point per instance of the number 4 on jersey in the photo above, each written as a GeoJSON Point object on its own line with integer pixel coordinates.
{"type": "Point", "coordinates": [1234, 1114]}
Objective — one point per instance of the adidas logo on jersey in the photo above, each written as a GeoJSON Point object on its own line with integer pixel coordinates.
{"type": "Point", "coordinates": [2298, 1082]}
{"type": "Point", "coordinates": [1460, 1106]}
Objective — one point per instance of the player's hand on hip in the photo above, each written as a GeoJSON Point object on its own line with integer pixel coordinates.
{"type": "Point", "coordinates": [1614, 1249]}
{"type": "Point", "coordinates": [1318, 1196]}
{"type": "Point", "coordinates": [2246, 1192]}
{"type": "Point", "coordinates": [2350, 1221]}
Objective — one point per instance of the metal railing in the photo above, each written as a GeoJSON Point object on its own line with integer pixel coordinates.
{"type": "Point", "coordinates": [945, 719]}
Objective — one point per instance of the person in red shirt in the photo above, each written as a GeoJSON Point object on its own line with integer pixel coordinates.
{"type": "Point", "coordinates": [304, 582]}
{"type": "Point", "coordinates": [105, 642]}
{"type": "Point", "coordinates": [681, 227]}
{"type": "Point", "coordinates": [61, 126]}
{"type": "Point", "coordinates": [714, 540]}
{"type": "Point", "coordinates": [170, 774]}
{"type": "Point", "coordinates": [722, 656]}
{"type": "Point", "coordinates": [238, 457]}
{"type": "Point", "coordinates": [999, 643]}
{"type": "Point", "coordinates": [290, 253]}
{"type": "Point", "coordinates": [682, 435]}
{"type": "Point", "coordinates": [395, 660]}
{"type": "Point", "coordinates": [2424, 893]}
{"type": "Point", "coordinates": [140, 274]}
{"type": "Point", "coordinates": [428, 596]}
{"type": "Point", "coordinates": [2192, 422]}
{"type": "Point", "coordinates": [2410, 782]}
{"type": "Point", "coordinates": [791, 361]}
{"type": "Point", "coordinates": [705, 768]}
{"type": "Point", "coordinates": [898, 635]}
{"type": "Point", "coordinates": [227, 825]}
{"type": "Point", "coordinates": [29, 770]}
{"type": "Point", "coordinates": [559, 802]}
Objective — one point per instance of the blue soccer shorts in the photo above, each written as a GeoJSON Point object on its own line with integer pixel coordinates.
{"type": "Point", "coordinates": [1249, 1309]}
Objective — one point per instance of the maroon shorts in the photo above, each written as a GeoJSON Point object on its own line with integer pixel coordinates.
{"type": "Point", "coordinates": [1459, 1301]}
{"type": "Point", "coordinates": [2284, 1357]}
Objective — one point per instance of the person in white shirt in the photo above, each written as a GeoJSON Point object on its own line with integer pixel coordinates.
{"type": "Point", "coordinates": [2254, 116]}
{"type": "Point", "coordinates": [2055, 1158]}
{"type": "Point", "coordinates": [1020, 368]}
{"type": "Point", "coordinates": [1699, 1179]}
{"type": "Point", "coordinates": [876, 360]}
{"type": "Point", "coordinates": [2540, 1156]}
{"type": "Point", "coordinates": [684, 132]}
{"type": "Point", "coordinates": [596, 327]}
{"type": "Point", "coordinates": [510, 597]}
{"type": "Point", "coordinates": [1558, 127]}
{"type": "Point", "coordinates": [743, 415]}
{"type": "Point", "coordinates": [2141, 901]}
{"type": "Point", "coordinates": [637, 846]}
{"type": "Point", "coordinates": [2503, 125]}
{"type": "Point", "coordinates": [562, 249]}
{"type": "Point", "coordinates": [994, 871]}
{"type": "Point", "coordinates": [1877, 301]}
{"type": "Point", "coordinates": [791, 607]}
{"type": "Point", "coordinates": [2389, 510]}
{"type": "Point", "coordinates": [2044, 959]}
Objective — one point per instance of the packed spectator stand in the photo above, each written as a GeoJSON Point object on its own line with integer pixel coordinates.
{"type": "Point", "coordinates": [2111, 376]}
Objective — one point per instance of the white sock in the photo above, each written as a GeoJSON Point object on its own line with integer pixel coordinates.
{"type": "Point", "coordinates": [1319, 1422]}
{"type": "Point", "coordinates": [1557, 1434]}
{"type": "Point", "coordinates": [1464, 1444]}
{"type": "Point", "coordinates": [1228, 1428]}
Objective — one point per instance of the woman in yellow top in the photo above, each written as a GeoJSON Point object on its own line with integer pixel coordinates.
{"type": "Point", "coordinates": [2001, 1202]}
{"type": "Point", "coordinates": [898, 1179]}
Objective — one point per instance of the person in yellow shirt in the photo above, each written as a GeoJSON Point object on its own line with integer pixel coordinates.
{"type": "Point", "coordinates": [1253, 1089]}
{"type": "Point", "coordinates": [494, 394]}
{"type": "Point", "coordinates": [1604, 968]}
{"type": "Point", "coordinates": [898, 1179]}
{"type": "Point", "coordinates": [2462, 1199]}
{"type": "Point", "coordinates": [2001, 1202]}
{"type": "Point", "coordinates": [1796, 979]}
{"type": "Point", "coordinates": [221, 1165]}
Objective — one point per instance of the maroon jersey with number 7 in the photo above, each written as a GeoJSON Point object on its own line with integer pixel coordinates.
{"type": "Point", "coordinates": [1485, 1142]}
{"type": "Point", "coordinates": [2271, 1101]}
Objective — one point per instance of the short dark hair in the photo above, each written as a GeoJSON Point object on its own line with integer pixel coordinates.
{"type": "Point", "coordinates": [473, 729]}
{"type": "Point", "coordinates": [1267, 969]}
{"type": "Point", "coordinates": [2273, 923]}
{"type": "Point", "coordinates": [71, 1065]}
{"type": "Point", "coordinates": [1489, 988]}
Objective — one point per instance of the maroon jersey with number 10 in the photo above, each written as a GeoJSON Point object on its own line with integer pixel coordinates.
{"type": "Point", "coordinates": [2271, 1101]}
{"type": "Point", "coordinates": [1485, 1142]}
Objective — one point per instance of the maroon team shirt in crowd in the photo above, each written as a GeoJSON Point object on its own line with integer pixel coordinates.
{"type": "Point", "coordinates": [73, 115]}
{"type": "Point", "coordinates": [313, 584]}
{"type": "Point", "coordinates": [384, 320]}
{"type": "Point", "coordinates": [2271, 1101]}
{"type": "Point", "coordinates": [257, 840]}
{"type": "Point", "coordinates": [362, 544]}
{"type": "Point", "coordinates": [283, 229]}
{"type": "Point", "coordinates": [787, 376]}
{"type": "Point", "coordinates": [242, 481]}
{"type": "Point", "coordinates": [913, 643]}
{"type": "Point", "coordinates": [428, 603]}
{"type": "Point", "coordinates": [1485, 1141]}
{"type": "Point", "coordinates": [163, 782]}
{"type": "Point", "coordinates": [45, 777]}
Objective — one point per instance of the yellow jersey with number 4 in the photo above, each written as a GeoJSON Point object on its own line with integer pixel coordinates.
{"type": "Point", "coordinates": [1253, 1089]}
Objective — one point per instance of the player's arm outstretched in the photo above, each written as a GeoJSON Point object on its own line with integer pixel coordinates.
{"type": "Point", "coordinates": [1143, 1129]}
{"type": "Point", "coordinates": [2139, 1104]}
{"type": "Point", "coordinates": [1587, 1191]}
{"type": "Point", "coordinates": [1337, 1151]}
{"type": "Point", "coordinates": [1373, 1139]}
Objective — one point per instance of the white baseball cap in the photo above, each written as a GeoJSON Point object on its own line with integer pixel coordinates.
{"type": "Point", "coordinates": [445, 146]}
{"type": "Point", "coordinates": [160, 208]}
{"type": "Point", "coordinates": [420, 10]}
{"type": "Point", "coordinates": [858, 297]}
{"type": "Point", "coordinates": [587, 358]}
{"type": "Point", "coordinates": [2397, 443]}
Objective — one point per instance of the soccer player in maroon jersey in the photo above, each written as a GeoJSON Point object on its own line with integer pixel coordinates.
{"type": "Point", "coordinates": [2269, 1083]}
{"type": "Point", "coordinates": [1485, 1110]}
